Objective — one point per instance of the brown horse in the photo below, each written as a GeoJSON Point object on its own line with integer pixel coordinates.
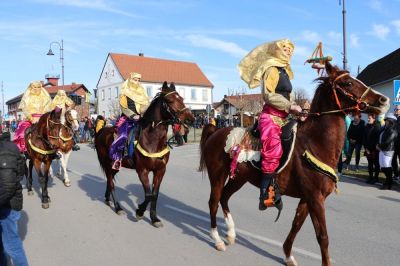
{"type": "Point", "coordinates": [151, 154]}
{"type": "Point", "coordinates": [322, 134]}
{"type": "Point", "coordinates": [70, 124]}
{"type": "Point", "coordinates": [42, 144]}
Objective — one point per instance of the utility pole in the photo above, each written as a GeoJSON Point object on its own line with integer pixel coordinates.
{"type": "Point", "coordinates": [344, 36]}
{"type": "Point", "coordinates": [2, 95]}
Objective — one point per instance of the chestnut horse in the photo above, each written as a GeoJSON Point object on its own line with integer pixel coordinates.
{"type": "Point", "coordinates": [322, 134]}
{"type": "Point", "coordinates": [151, 154]}
{"type": "Point", "coordinates": [70, 124]}
{"type": "Point", "coordinates": [42, 144]}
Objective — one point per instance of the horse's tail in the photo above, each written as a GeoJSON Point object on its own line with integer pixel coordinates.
{"type": "Point", "coordinates": [208, 130]}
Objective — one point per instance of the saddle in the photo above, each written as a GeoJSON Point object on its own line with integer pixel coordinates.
{"type": "Point", "coordinates": [243, 145]}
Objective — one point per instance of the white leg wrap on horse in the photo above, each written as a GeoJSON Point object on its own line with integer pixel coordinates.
{"type": "Point", "coordinates": [290, 261]}
{"type": "Point", "coordinates": [219, 244]}
{"type": "Point", "coordinates": [230, 225]}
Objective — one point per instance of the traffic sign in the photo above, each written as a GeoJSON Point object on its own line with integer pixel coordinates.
{"type": "Point", "coordinates": [396, 92]}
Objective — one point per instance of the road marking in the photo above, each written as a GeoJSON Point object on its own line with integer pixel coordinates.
{"type": "Point", "coordinates": [240, 231]}
{"type": "Point", "coordinates": [248, 234]}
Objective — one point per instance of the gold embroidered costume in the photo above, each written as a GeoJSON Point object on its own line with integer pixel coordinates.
{"type": "Point", "coordinates": [35, 102]}
{"type": "Point", "coordinates": [260, 68]}
{"type": "Point", "coordinates": [133, 90]}
{"type": "Point", "coordinates": [61, 100]}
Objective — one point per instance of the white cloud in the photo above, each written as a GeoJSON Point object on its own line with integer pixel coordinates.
{"type": "Point", "coordinates": [376, 5]}
{"type": "Point", "coordinates": [309, 36]}
{"type": "Point", "coordinates": [101, 5]}
{"type": "Point", "coordinates": [177, 53]}
{"type": "Point", "coordinates": [396, 24]}
{"type": "Point", "coordinates": [379, 31]}
{"type": "Point", "coordinates": [354, 40]}
{"type": "Point", "coordinates": [302, 51]}
{"type": "Point", "coordinates": [379, 7]}
{"type": "Point", "coordinates": [215, 44]}
{"type": "Point", "coordinates": [335, 36]}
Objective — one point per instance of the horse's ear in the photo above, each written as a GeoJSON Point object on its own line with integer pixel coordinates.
{"type": "Point", "coordinates": [164, 86]}
{"type": "Point", "coordinates": [172, 86]}
{"type": "Point", "coordinates": [331, 70]}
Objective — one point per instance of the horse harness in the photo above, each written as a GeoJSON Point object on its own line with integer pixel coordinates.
{"type": "Point", "coordinates": [359, 106]}
{"type": "Point", "coordinates": [175, 119]}
{"type": "Point", "coordinates": [46, 141]}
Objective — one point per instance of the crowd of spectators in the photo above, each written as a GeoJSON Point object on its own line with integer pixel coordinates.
{"type": "Point", "coordinates": [380, 139]}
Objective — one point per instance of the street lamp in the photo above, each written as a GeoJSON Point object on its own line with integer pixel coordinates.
{"type": "Point", "coordinates": [50, 52]}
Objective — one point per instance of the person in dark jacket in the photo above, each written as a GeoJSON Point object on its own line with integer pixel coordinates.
{"type": "Point", "coordinates": [396, 155]}
{"type": "Point", "coordinates": [386, 147]}
{"type": "Point", "coordinates": [355, 135]}
{"type": "Point", "coordinates": [370, 140]}
{"type": "Point", "coordinates": [11, 172]}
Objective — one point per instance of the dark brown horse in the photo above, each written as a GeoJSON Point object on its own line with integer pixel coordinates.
{"type": "Point", "coordinates": [151, 154]}
{"type": "Point", "coordinates": [322, 134]}
{"type": "Point", "coordinates": [42, 144]}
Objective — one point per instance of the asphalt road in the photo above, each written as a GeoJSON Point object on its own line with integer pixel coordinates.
{"type": "Point", "coordinates": [79, 229]}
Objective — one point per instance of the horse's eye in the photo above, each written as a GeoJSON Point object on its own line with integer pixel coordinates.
{"type": "Point", "coordinates": [349, 84]}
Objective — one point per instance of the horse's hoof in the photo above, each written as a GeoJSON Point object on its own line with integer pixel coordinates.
{"type": "Point", "coordinates": [291, 261]}
{"type": "Point", "coordinates": [45, 205]}
{"type": "Point", "coordinates": [107, 202]}
{"type": "Point", "coordinates": [139, 217]}
{"type": "Point", "coordinates": [30, 193]}
{"type": "Point", "coordinates": [158, 224]}
{"type": "Point", "coordinates": [67, 183]}
{"type": "Point", "coordinates": [220, 246]}
{"type": "Point", "coordinates": [231, 240]}
{"type": "Point", "coordinates": [121, 212]}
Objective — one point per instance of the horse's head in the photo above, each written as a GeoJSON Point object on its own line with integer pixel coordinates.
{"type": "Point", "coordinates": [351, 94]}
{"type": "Point", "coordinates": [175, 105]}
{"type": "Point", "coordinates": [71, 119]}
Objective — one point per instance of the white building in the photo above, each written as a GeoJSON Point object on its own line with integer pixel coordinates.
{"type": "Point", "coordinates": [190, 81]}
{"type": "Point", "coordinates": [381, 74]}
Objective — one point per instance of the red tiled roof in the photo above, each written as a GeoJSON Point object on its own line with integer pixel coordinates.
{"type": "Point", "coordinates": [246, 101]}
{"type": "Point", "coordinates": [52, 91]}
{"type": "Point", "coordinates": [68, 88]}
{"type": "Point", "coordinates": [160, 70]}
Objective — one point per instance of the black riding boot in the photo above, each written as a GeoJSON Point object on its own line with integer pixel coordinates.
{"type": "Point", "coordinates": [266, 180]}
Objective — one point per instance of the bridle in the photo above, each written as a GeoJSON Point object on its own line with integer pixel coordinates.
{"type": "Point", "coordinates": [68, 121]}
{"type": "Point", "coordinates": [360, 105]}
{"type": "Point", "coordinates": [174, 114]}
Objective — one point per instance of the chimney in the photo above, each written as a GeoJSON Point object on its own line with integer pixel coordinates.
{"type": "Point", "coordinates": [141, 54]}
{"type": "Point", "coordinates": [52, 79]}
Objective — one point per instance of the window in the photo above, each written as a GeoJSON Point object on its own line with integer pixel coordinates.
{"type": "Point", "coordinates": [116, 92]}
{"type": "Point", "coordinates": [181, 92]}
{"type": "Point", "coordinates": [109, 93]}
{"type": "Point", "coordinates": [102, 94]}
{"type": "Point", "coordinates": [204, 95]}
{"type": "Point", "coordinates": [149, 91]}
{"type": "Point", "coordinates": [193, 94]}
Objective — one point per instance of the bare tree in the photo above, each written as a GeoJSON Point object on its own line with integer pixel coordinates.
{"type": "Point", "coordinates": [114, 108]}
{"type": "Point", "coordinates": [300, 96]}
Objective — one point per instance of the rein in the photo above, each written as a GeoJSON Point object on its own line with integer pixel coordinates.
{"type": "Point", "coordinates": [174, 115]}
{"type": "Point", "coordinates": [360, 104]}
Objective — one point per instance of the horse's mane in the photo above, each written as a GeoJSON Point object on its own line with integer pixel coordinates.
{"type": "Point", "coordinates": [148, 116]}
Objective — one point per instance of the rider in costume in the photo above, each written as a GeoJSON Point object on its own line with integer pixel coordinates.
{"type": "Point", "coordinates": [61, 100]}
{"type": "Point", "coordinates": [268, 66]}
{"type": "Point", "coordinates": [34, 103]}
{"type": "Point", "coordinates": [133, 102]}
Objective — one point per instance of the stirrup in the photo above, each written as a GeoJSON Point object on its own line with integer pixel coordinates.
{"type": "Point", "coordinates": [272, 202]}
{"type": "Point", "coordinates": [116, 165]}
